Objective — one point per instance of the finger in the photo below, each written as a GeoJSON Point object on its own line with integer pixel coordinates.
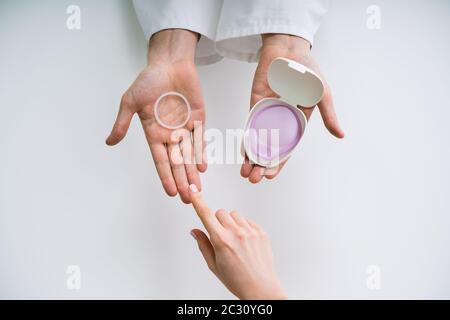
{"type": "Point", "coordinates": [273, 172]}
{"type": "Point", "coordinates": [225, 219]}
{"type": "Point", "coordinates": [326, 107]}
{"type": "Point", "coordinates": [240, 221]}
{"type": "Point", "coordinates": [256, 175]}
{"type": "Point", "coordinates": [162, 163]}
{"type": "Point", "coordinates": [179, 171]}
{"type": "Point", "coordinates": [255, 226]}
{"type": "Point", "coordinates": [206, 248]}
{"type": "Point", "coordinates": [193, 176]}
{"type": "Point", "coordinates": [205, 214]}
{"type": "Point", "coordinates": [122, 123]}
{"type": "Point", "coordinates": [246, 168]}
{"type": "Point", "coordinates": [199, 146]}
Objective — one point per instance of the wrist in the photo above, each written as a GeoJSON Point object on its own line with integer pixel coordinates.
{"type": "Point", "coordinates": [286, 44]}
{"type": "Point", "coordinates": [172, 45]}
{"type": "Point", "coordinates": [277, 295]}
{"type": "Point", "coordinates": [272, 294]}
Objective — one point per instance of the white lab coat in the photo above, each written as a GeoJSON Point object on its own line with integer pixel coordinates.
{"type": "Point", "coordinates": [231, 28]}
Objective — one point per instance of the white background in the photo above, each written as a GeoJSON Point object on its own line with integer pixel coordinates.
{"type": "Point", "coordinates": [379, 197]}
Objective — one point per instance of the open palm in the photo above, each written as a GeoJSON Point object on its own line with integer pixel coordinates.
{"type": "Point", "coordinates": [277, 46]}
{"type": "Point", "coordinates": [178, 154]}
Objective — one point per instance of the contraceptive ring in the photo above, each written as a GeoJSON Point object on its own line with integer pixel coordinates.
{"type": "Point", "coordinates": [186, 102]}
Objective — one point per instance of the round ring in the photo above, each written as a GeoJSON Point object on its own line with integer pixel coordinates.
{"type": "Point", "coordinates": [156, 106]}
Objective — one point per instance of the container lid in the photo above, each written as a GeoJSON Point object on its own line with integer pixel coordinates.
{"type": "Point", "coordinates": [295, 83]}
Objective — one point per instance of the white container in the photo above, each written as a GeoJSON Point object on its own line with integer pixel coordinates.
{"type": "Point", "coordinates": [274, 127]}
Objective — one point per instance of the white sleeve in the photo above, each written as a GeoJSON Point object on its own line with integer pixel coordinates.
{"type": "Point", "coordinates": [200, 16]}
{"type": "Point", "coordinates": [243, 21]}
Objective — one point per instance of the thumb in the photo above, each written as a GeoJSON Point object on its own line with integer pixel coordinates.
{"type": "Point", "coordinates": [328, 113]}
{"type": "Point", "coordinates": [121, 125]}
{"type": "Point", "coordinates": [206, 248]}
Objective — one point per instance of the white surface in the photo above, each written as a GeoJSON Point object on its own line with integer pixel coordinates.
{"type": "Point", "coordinates": [379, 197]}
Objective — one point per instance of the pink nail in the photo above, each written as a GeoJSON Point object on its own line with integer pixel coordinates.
{"type": "Point", "coordinates": [193, 235]}
{"type": "Point", "coordinates": [193, 188]}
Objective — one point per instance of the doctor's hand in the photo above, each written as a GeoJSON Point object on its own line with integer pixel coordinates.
{"type": "Point", "coordinates": [178, 155]}
{"type": "Point", "coordinates": [237, 251]}
{"type": "Point", "coordinates": [297, 49]}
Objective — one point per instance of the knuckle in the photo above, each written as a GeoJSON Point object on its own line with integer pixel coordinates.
{"type": "Point", "coordinates": [242, 235]}
{"type": "Point", "coordinates": [330, 121]}
{"type": "Point", "coordinates": [126, 99]}
{"type": "Point", "coordinates": [193, 177]}
{"type": "Point", "coordinates": [166, 181]}
{"type": "Point", "coordinates": [160, 162]}
{"type": "Point", "coordinates": [220, 213]}
{"type": "Point", "coordinates": [176, 165]}
{"type": "Point", "coordinates": [204, 209]}
{"type": "Point", "coordinates": [234, 214]}
{"type": "Point", "coordinates": [221, 241]}
{"type": "Point", "coordinates": [262, 234]}
{"type": "Point", "coordinates": [120, 130]}
{"type": "Point", "coordinates": [252, 235]}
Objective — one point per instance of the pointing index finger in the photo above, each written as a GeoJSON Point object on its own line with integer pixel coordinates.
{"type": "Point", "coordinates": [205, 214]}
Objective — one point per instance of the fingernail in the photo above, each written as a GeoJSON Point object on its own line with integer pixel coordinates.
{"type": "Point", "coordinates": [193, 188]}
{"type": "Point", "coordinates": [193, 235]}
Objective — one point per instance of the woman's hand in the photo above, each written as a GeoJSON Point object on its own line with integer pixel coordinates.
{"type": "Point", "coordinates": [237, 251]}
{"type": "Point", "coordinates": [178, 158]}
{"type": "Point", "coordinates": [298, 49]}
